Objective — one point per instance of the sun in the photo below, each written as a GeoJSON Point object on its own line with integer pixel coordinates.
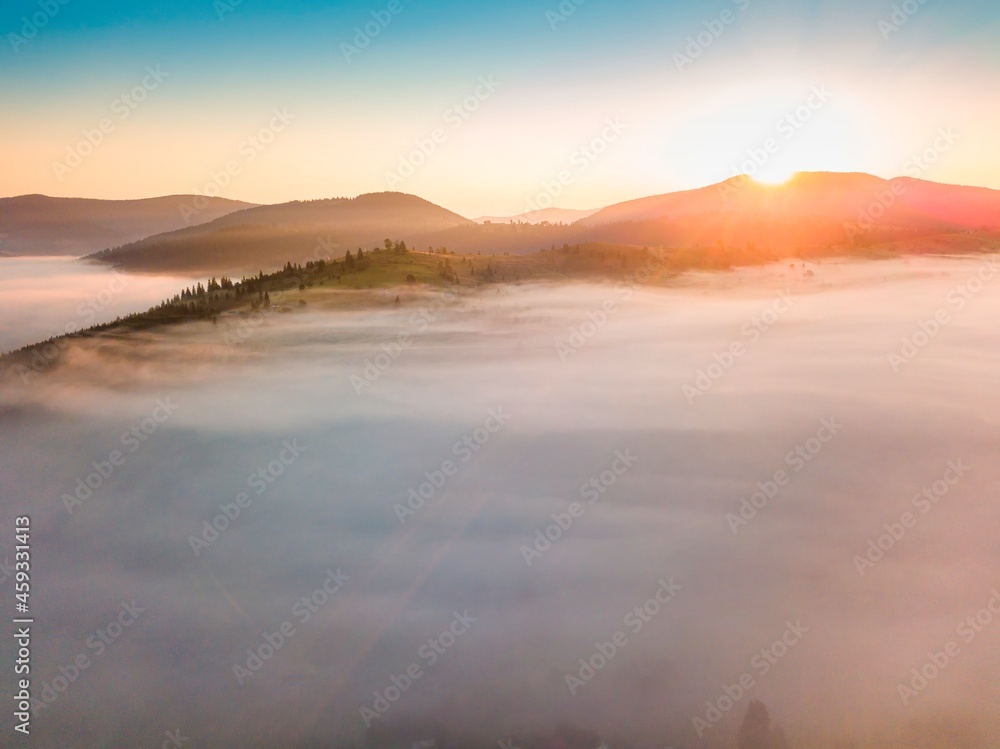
{"type": "Point", "coordinates": [773, 175]}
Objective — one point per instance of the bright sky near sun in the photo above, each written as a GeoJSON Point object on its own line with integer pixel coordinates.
{"type": "Point", "coordinates": [484, 107]}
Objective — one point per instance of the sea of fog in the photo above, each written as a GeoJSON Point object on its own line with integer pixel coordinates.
{"type": "Point", "coordinates": [42, 297]}
{"type": "Point", "coordinates": [491, 514]}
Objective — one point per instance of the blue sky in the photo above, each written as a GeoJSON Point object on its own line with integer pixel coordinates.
{"type": "Point", "coordinates": [357, 121]}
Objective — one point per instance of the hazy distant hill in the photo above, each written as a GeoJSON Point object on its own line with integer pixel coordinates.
{"type": "Point", "coordinates": [735, 221]}
{"type": "Point", "coordinates": [814, 209]}
{"type": "Point", "coordinates": [972, 207]}
{"type": "Point", "coordinates": [268, 236]}
{"type": "Point", "coordinates": [40, 225]}
{"type": "Point", "coordinates": [827, 195]}
{"type": "Point", "coordinates": [552, 215]}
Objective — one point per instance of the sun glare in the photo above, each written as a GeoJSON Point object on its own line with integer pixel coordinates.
{"type": "Point", "coordinates": [774, 176]}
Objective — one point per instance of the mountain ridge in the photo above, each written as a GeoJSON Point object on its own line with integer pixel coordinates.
{"type": "Point", "coordinates": [269, 235]}
{"type": "Point", "coordinates": [810, 213]}
{"type": "Point", "coordinates": [34, 224]}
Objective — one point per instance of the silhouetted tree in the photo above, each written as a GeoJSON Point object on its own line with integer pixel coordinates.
{"type": "Point", "coordinates": [756, 731]}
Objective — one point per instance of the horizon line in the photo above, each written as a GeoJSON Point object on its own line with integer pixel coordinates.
{"type": "Point", "coordinates": [742, 176]}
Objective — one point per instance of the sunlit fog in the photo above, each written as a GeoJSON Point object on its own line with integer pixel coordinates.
{"type": "Point", "coordinates": [41, 297]}
{"type": "Point", "coordinates": [488, 513]}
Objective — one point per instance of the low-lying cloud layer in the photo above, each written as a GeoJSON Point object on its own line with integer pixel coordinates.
{"type": "Point", "coordinates": [42, 297]}
{"type": "Point", "coordinates": [630, 510]}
